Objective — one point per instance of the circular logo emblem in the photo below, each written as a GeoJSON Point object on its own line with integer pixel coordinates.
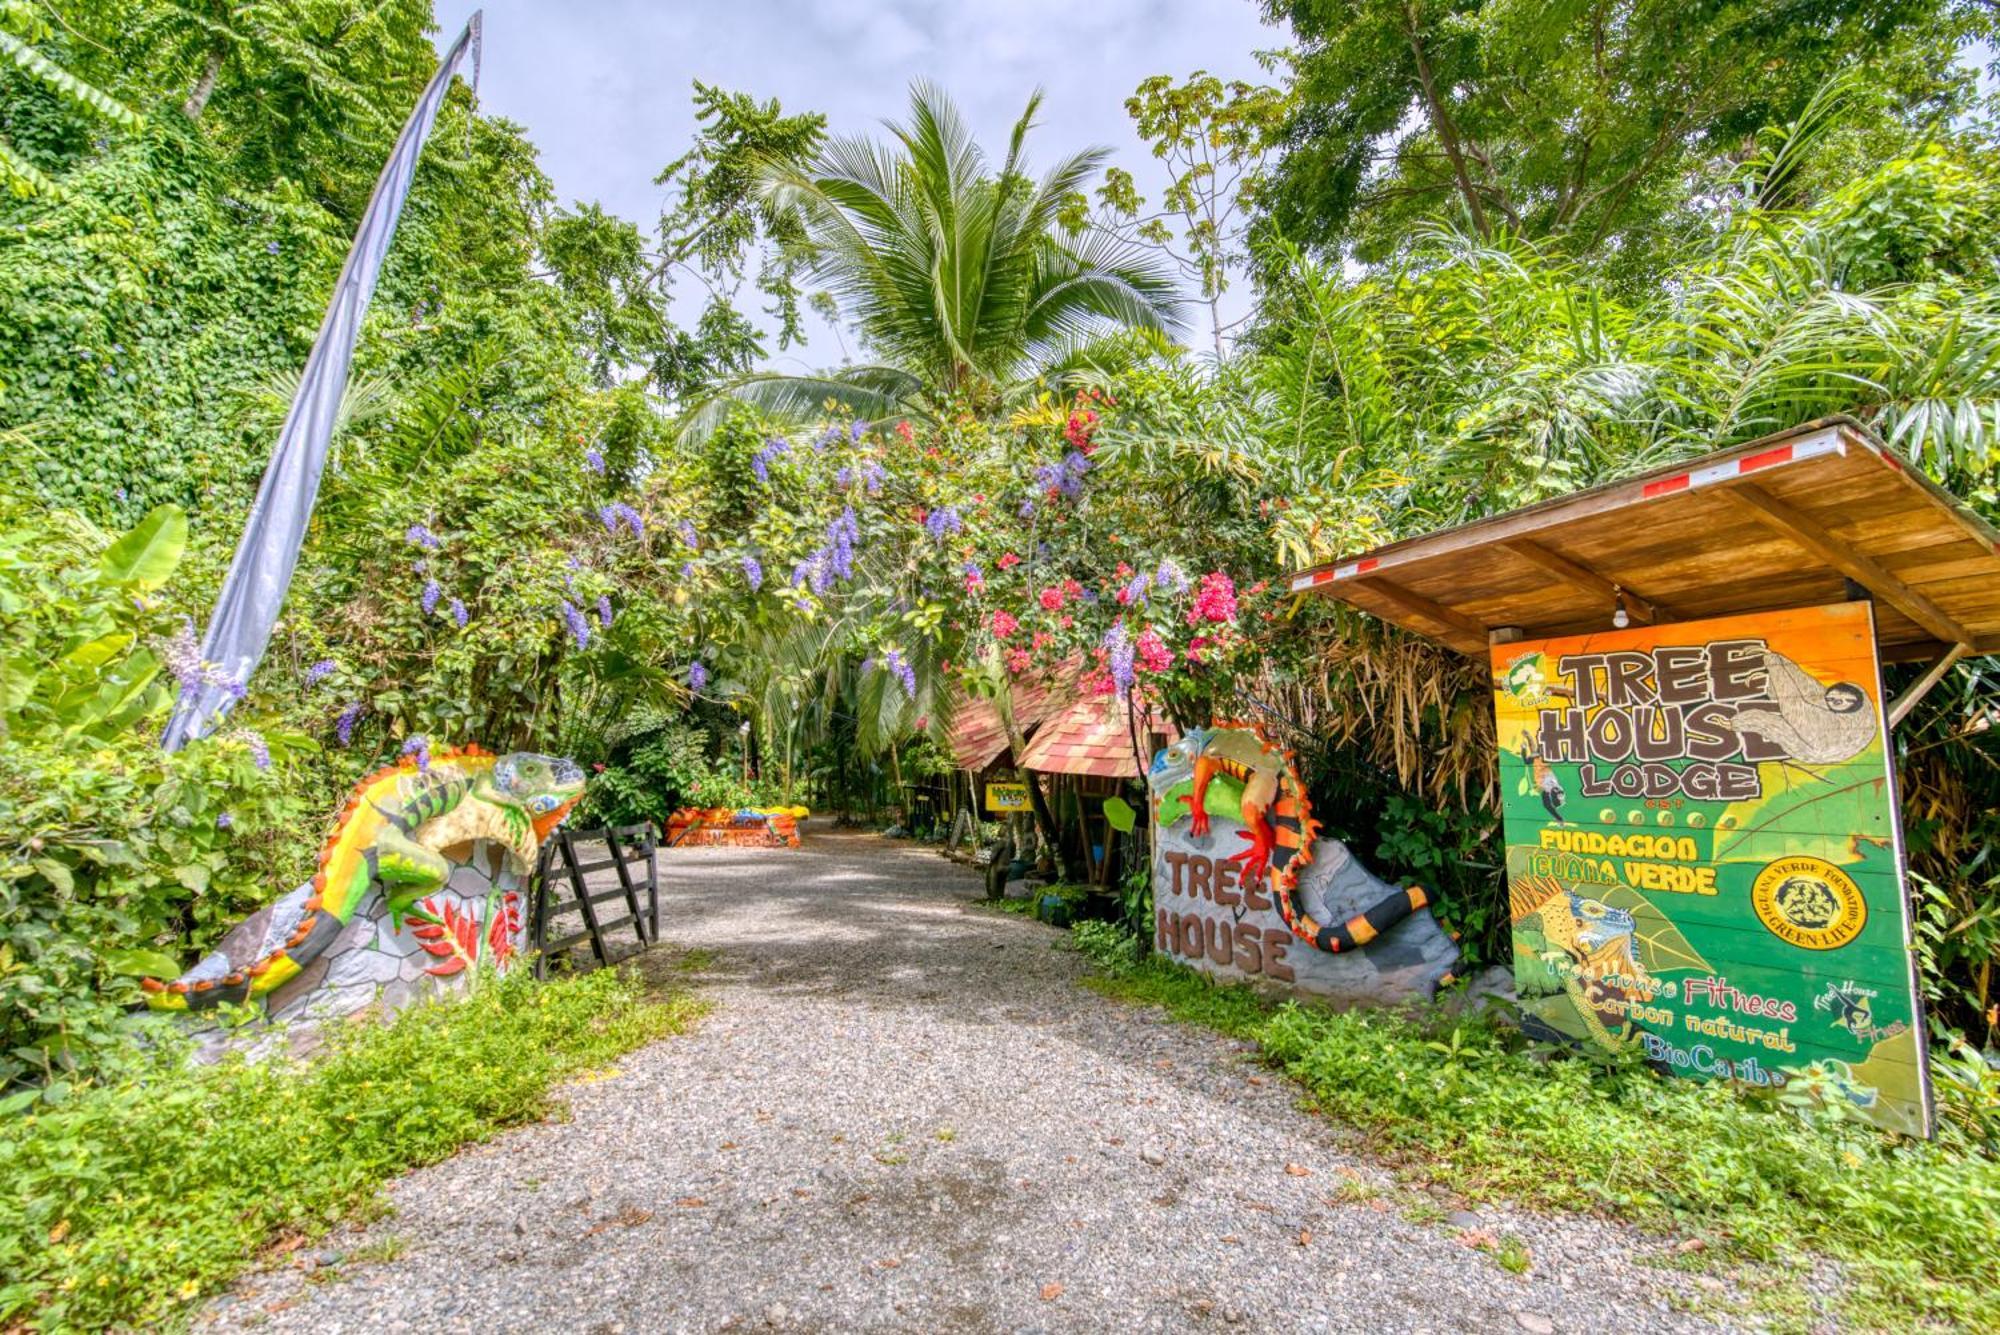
{"type": "Point", "coordinates": [1809, 902]}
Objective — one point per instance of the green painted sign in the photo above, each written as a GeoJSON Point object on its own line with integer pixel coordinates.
{"type": "Point", "coordinates": [1703, 855]}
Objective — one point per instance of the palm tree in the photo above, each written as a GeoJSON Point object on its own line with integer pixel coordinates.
{"type": "Point", "coordinates": [963, 282]}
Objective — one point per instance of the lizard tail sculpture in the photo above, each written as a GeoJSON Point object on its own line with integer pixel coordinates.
{"type": "Point", "coordinates": [390, 838]}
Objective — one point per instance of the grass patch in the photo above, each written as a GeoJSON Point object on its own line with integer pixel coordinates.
{"type": "Point", "coordinates": [1512, 1255]}
{"type": "Point", "coordinates": [1469, 1105]}
{"type": "Point", "coordinates": [696, 959]}
{"type": "Point", "coordinates": [132, 1200]}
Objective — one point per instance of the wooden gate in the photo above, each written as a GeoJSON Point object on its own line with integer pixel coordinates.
{"type": "Point", "coordinates": [562, 886]}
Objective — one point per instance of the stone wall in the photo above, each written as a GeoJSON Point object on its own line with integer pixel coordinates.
{"type": "Point", "coordinates": [372, 964]}
{"type": "Point", "coordinates": [1236, 933]}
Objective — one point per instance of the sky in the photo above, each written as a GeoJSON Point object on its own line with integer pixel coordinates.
{"type": "Point", "coordinates": [603, 86]}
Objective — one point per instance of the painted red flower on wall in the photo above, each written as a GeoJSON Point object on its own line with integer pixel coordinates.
{"type": "Point", "coordinates": [453, 941]}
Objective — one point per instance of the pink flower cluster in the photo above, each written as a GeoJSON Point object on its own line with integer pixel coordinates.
{"type": "Point", "coordinates": [1214, 601]}
{"type": "Point", "coordinates": [1005, 624]}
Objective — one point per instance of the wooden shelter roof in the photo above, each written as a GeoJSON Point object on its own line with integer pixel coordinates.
{"type": "Point", "coordinates": [1094, 735]}
{"type": "Point", "coordinates": [1785, 521]}
{"type": "Point", "coordinates": [978, 736]}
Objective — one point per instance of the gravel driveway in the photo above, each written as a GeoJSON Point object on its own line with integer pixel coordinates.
{"type": "Point", "coordinates": [904, 1114]}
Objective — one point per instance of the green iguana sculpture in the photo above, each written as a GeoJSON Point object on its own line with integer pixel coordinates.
{"type": "Point", "coordinates": [390, 838]}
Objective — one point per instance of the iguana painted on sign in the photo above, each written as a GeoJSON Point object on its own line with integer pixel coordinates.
{"type": "Point", "coordinates": [1592, 942]}
{"type": "Point", "coordinates": [390, 837]}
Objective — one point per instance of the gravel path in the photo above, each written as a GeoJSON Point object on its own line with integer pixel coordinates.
{"type": "Point", "coordinates": [903, 1114]}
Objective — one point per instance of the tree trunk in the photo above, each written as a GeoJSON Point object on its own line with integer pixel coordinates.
{"type": "Point", "coordinates": [1017, 746]}
{"type": "Point", "coordinates": [204, 87]}
{"type": "Point", "coordinates": [1051, 830]}
{"type": "Point", "coordinates": [1445, 127]}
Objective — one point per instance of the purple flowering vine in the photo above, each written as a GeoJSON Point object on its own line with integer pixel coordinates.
{"type": "Point", "coordinates": [815, 570]}
{"type": "Point", "coordinates": [593, 459]}
{"type": "Point", "coordinates": [458, 613]}
{"type": "Point", "coordinates": [841, 535]}
{"type": "Point", "coordinates": [1065, 478]}
{"type": "Point", "coordinates": [579, 629]}
{"type": "Point", "coordinates": [697, 676]}
{"type": "Point", "coordinates": [418, 745]}
{"type": "Point", "coordinates": [432, 592]}
{"type": "Point", "coordinates": [319, 672]}
{"type": "Point", "coordinates": [1118, 649]}
{"type": "Point", "coordinates": [618, 512]}
{"type": "Point", "coordinates": [417, 535]}
{"type": "Point", "coordinates": [894, 663]}
{"type": "Point", "coordinates": [604, 610]}
{"type": "Point", "coordinates": [688, 534]}
{"type": "Point", "coordinates": [760, 462]}
{"type": "Point", "coordinates": [253, 742]}
{"type": "Point", "coordinates": [188, 668]}
{"type": "Point", "coordinates": [753, 573]}
{"type": "Point", "coordinates": [872, 474]}
{"type": "Point", "coordinates": [343, 727]}
{"type": "Point", "coordinates": [942, 522]}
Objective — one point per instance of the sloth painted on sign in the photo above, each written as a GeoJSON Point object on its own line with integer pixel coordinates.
{"type": "Point", "coordinates": [1246, 890]}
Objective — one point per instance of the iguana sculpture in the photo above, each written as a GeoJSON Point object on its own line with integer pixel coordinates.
{"type": "Point", "coordinates": [1280, 832]}
{"type": "Point", "coordinates": [390, 837]}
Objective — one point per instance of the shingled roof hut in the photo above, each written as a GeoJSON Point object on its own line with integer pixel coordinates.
{"type": "Point", "coordinates": [1090, 749]}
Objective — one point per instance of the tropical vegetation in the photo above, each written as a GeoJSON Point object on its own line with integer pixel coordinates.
{"type": "Point", "coordinates": [1487, 254]}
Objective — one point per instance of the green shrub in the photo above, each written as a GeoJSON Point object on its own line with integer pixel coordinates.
{"type": "Point", "coordinates": [134, 1198]}
{"type": "Point", "coordinates": [1469, 1104]}
{"type": "Point", "coordinates": [116, 858]}
{"type": "Point", "coordinates": [658, 774]}
{"type": "Point", "coordinates": [1105, 943]}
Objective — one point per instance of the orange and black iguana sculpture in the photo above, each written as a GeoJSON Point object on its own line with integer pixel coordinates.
{"type": "Point", "coordinates": [1280, 831]}
{"type": "Point", "coordinates": [389, 838]}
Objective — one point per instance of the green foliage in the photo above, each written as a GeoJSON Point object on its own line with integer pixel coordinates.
{"type": "Point", "coordinates": [677, 766]}
{"type": "Point", "coordinates": [131, 1200]}
{"type": "Point", "coordinates": [114, 855]}
{"type": "Point", "coordinates": [131, 380]}
{"type": "Point", "coordinates": [1446, 852]}
{"type": "Point", "coordinates": [1461, 1101]}
{"type": "Point", "coordinates": [1107, 944]}
{"type": "Point", "coordinates": [719, 219]}
{"type": "Point", "coordinates": [20, 25]}
{"type": "Point", "coordinates": [296, 93]}
{"type": "Point", "coordinates": [1588, 126]}
{"type": "Point", "coordinates": [1215, 141]}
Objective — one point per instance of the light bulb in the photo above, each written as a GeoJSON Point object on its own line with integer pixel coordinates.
{"type": "Point", "coordinates": [1619, 617]}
